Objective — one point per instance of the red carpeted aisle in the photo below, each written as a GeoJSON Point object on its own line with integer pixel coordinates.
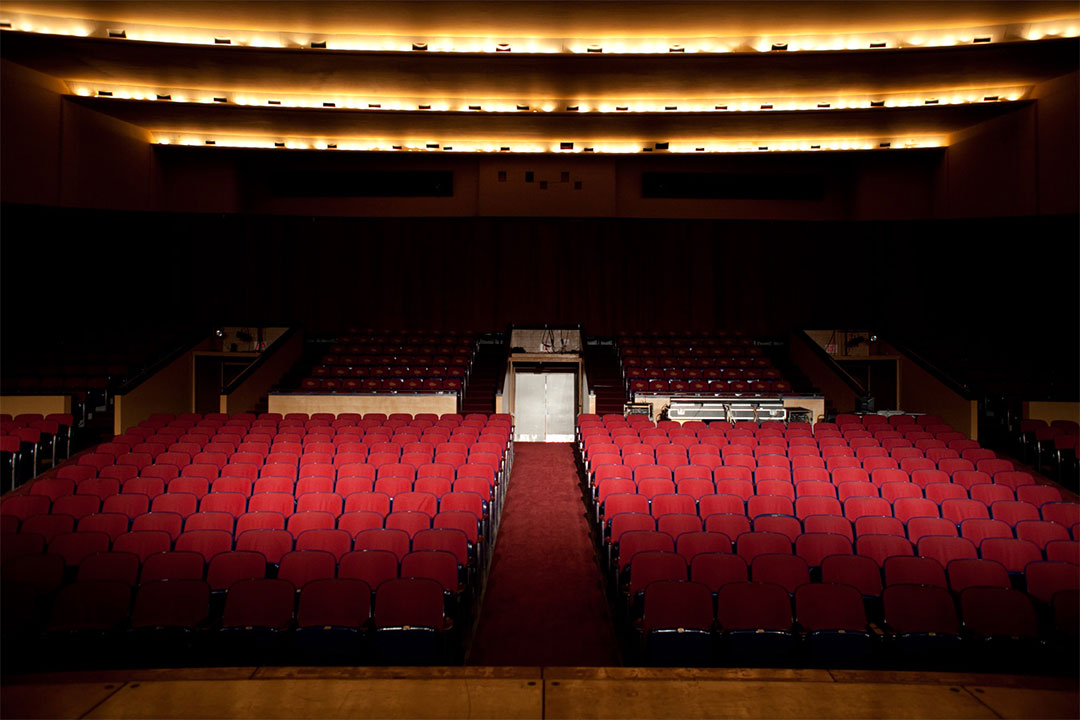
{"type": "Point", "coordinates": [545, 602]}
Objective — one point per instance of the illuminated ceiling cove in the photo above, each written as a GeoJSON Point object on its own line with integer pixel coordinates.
{"type": "Point", "coordinates": [547, 76]}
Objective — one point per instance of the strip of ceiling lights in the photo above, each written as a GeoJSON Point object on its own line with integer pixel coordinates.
{"type": "Point", "coordinates": [225, 37]}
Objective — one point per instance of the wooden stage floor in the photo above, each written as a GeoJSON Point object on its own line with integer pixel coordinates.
{"type": "Point", "coordinates": [479, 692]}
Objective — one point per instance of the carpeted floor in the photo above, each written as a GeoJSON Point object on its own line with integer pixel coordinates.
{"type": "Point", "coordinates": [545, 602]}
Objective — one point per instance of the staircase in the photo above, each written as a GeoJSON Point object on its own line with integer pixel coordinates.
{"type": "Point", "coordinates": [488, 371]}
{"type": "Point", "coordinates": [605, 377]}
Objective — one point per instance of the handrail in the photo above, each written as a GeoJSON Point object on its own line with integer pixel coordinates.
{"type": "Point", "coordinates": [259, 361]}
{"type": "Point", "coordinates": [940, 375]}
{"type": "Point", "coordinates": [831, 362]}
{"type": "Point", "coordinates": [151, 370]}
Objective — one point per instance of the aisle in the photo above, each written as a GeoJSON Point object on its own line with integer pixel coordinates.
{"type": "Point", "coordinates": [545, 602]}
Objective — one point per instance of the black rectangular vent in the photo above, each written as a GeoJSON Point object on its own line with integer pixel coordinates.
{"type": "Point", "coordinates": [726, 186]}
{"type": "Point", "coordinates": [369, 183]}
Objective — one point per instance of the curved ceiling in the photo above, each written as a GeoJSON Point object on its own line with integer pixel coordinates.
{"type": "Point", "coordinates": [894, 96]}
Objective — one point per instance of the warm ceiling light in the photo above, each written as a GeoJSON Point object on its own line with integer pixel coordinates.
{"type": "Point", "coordinates": [118, 33]}
{"type": "Point", "coordinates": [419, 46]}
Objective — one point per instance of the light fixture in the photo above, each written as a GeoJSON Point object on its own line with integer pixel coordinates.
{"type": "Point", "coordinates": [676, 49]}
{"type": "Point", "coordinates": [117, 33]}
{"type": "Point", "coordinates": [990, 98]}
{"type": "Point", "coordinates": [474, 107]}
{"type": "Point", "coordinates": [331, 146]}
{"type": "Point", "coordinates": [594, 49]}
{"type": "Point", "coordinates": [767, 107]}
{"type": "Point", "coordinates": [877, 103]}
{"type": "Point", "coordinates": [931, 101]}
{"type": "Point", "coordinates": [164, 97]}
{"type": "Point", "coordinates": [981, 39]}
{"type": "Point", "coordinates": [222, 41]}
{"type": "Point", "coordinates": [432, 146]}
{"type": "Point", "coordinates": [504, 148]}
{"type": "Point", "coordinates": [318, 44]}
{"type": "Point", "coordinates": [279, 144]}
{"type": "Point", "coordinates": [875, 45]}
{"type": "Point", "coordinates": [268, 102]}
{"type": "Point", "coordinates": [211, 142]}
{"type": "Point", "coordinates": [885, 145]}
{"type": "Point", "coordinates": [720, 107]}
{"type": "Point", "coordinates": [419, 46]}
{"type": "Point", "coordinates": [329, 104]}
{"type": "Point", "coordinates": [566, 146]}
{"type": "Point", "coordinates": [374, 106]}
{"type": "Point", "coordinates": [522, 107]}
{"type": "Point", "coordinates": [824, 105]}
{"type": "Point", "coordinates": [671, 107]}
{"type": "Point", "coordinates": [763, 147]}
{"type": "Point", "coordinates": [661, 146]}
{"type": "Point", "coordinates": [779, 46]}
{"type": "Point", "coordinates": [225, 100]}
{"type": "Point", "coordinates": [423, 107]}
{"type": "Point", "coordinates": [622, 108]}
{"type": "Point", "coordinates": [104, 93]}
{"type": "Point", "coordinates": [502, 47]}
{"type": "Point", "coordinates": [572, 108]}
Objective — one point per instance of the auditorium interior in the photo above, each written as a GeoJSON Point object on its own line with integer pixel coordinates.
{"type": "Point", "coordinates": [539, 359]}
